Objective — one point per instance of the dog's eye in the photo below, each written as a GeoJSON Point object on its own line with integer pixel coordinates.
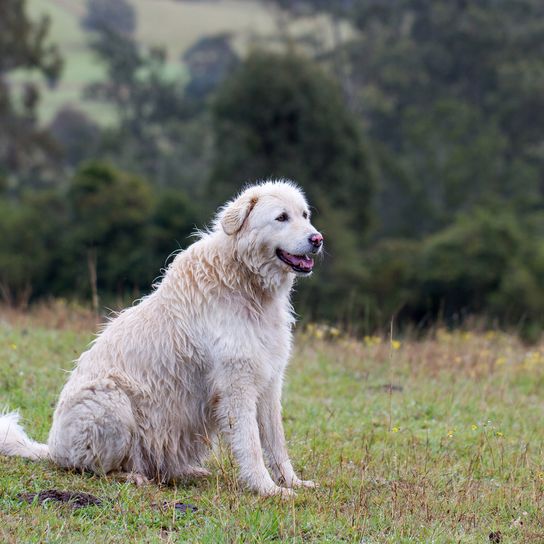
{"type": "Point", "coordinates": [305, 215]}
{"type": "Point", "coordinates": [282, 217]}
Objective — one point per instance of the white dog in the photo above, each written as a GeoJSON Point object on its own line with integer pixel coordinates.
{"type": "Point", "coordinates": [205, 352]}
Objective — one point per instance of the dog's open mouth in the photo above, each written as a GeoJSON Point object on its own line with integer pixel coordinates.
{"type": "Point", "coordinates": [299, 263]}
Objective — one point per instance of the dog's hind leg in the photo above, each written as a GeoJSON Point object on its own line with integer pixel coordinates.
{"type": "Point", "coordinates": [93, 428]}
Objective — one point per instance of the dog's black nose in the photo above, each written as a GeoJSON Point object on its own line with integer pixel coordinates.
{"type": "Point", "coordinates": [316, 239]}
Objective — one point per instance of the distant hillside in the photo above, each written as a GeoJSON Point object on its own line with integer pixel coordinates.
{"type": "Point", "coordinates": [174, 24]}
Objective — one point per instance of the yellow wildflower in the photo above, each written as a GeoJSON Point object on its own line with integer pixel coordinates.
{"type": "Point", "coordinates": [372, 341]}
{"type": "Point", "coordinates": [395, 344]}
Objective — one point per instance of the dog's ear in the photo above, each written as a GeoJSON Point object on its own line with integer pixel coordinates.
{"type": "Point", "coordinates": [233, 216]}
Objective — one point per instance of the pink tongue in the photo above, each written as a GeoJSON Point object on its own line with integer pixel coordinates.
{"type": "Point", "coordinates": [301, 261]}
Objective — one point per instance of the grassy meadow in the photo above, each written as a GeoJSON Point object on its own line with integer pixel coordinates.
{"type": "Point", "coordinates": [438, 440]}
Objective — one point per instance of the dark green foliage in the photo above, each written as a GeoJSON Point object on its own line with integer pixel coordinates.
{"type": "Point", "coordinates": [24, 43]}
{"type": "Point", "coordinates": [335, 288]}
{"type": "Point", "coordinates": [117, 16]}
{"type": "Point", "coordinates": [280, 116]}
{"type": "Point", "coordinates": [486, 263]}
{"type": "Point", "coordinates": [390, 287]}
{"type": "Point", "coordinates": [174, 220]}
{"type": "Point", "coordinates": [25, 148]}
{"type": "Point", "coordinates": [447, 89]}
{"type": "Point", "coordinates": [77, 136]}
{"type": "Point", "coordinates": [210, 60]}
{"type": "Point", "coordinates": [110, 214]}
{"type": "Point", "coordinates": [30, 245]}
{"type": "Point", "coordinates": [108, 222]}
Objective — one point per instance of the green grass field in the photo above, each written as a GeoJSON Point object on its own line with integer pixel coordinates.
{"type": "Point", "coordinates": [431, 441]}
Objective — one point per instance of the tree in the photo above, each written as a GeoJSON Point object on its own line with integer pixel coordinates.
{"type": "Point", "coordinates": [487, 263]}
{"type": "Point", "coordinates": [174, 220]}
{"type": "Point", "coordinates": [450, 159]}
{"type": "Point", "coordinates": [159, 132]}
{"type": "Point", "coordinates": [109, 231]}
{"type": "Point", "coordinates": [280, 116]}
{"type": "Point", "coordinates": [118, 16]}
{"type": "Point", "coordinates": [30, 248]}
{"type": "Point", "coordinates": [448, 90]}
{"type": "Point", "coordinates": [24, 45]}
{"type": "Point", "coordinates": [210, 60]}
{"type": "Point", "coordinates": [77, 136]}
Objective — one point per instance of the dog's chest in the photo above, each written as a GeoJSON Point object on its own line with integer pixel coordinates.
{"type": "Point", "coordinates": [248, 347]}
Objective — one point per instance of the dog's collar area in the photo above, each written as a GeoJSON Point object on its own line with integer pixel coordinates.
{"type": "Point", "coordinates": [299, 263]}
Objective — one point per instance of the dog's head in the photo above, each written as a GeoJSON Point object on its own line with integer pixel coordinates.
{"type": "Point", "coordinates": [270, 226]}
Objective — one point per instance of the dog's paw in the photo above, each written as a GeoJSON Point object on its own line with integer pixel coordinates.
{"type": "Point", "coordinates": [133, 478]}
{"type": "Point", "coordinates": [277, 491]}
{"type": "Point", "coordinates": [305, 483]}
{"type": "Point", "coordinates": [287, 493]}
{"type": "Point", "coordinates": [294, 482]}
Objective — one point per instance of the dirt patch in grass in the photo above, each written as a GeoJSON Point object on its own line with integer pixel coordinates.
{"type": "Point", "coordinates": [75, 499]}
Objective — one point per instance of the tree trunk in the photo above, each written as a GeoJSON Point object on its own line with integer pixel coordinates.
{"type": "Point", "coordinates": [91, 265]}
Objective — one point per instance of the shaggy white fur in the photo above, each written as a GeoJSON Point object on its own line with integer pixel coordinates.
{"type": "Point", "coordinates": [205, 352]}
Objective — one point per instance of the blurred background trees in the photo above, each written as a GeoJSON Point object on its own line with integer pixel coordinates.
{"type": "Point", "coordinates": [416, 130]}
{"type": "Point", "coordinates": [26, 150]}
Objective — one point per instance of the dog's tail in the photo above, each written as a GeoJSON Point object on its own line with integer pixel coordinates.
{"type": "Point", "coordinates": [15, 442]}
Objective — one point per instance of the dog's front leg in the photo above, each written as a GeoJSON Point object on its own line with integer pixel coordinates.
{"type": "Point", "coordinates": [237, 415]}
{"type": "Point", "coordinates": [273, 438]}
